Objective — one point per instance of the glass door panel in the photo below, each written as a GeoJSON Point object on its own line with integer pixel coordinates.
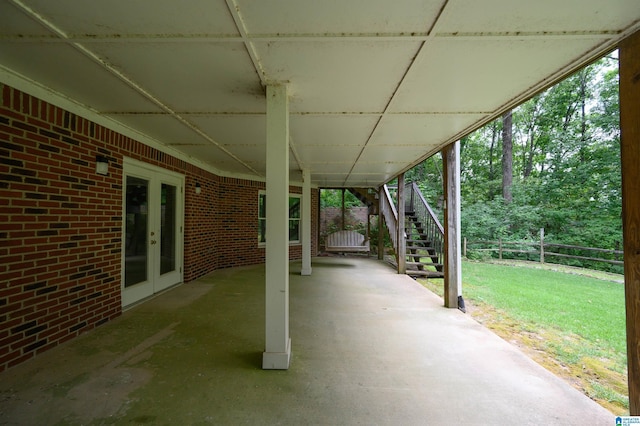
{"type": "Point", "coordinates": [136, 226]}
{"type": "Point", "coordinates": [168, 229]}
{"type": "Point", "coordinates": [152, 245]}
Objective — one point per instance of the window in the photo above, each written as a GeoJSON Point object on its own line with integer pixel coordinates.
{"type": "Point", "coordinates": [294, 218]}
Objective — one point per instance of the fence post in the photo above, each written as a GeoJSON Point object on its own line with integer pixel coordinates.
{"type": "Point", "coordinates": [500, 248]}
{"type": "Point", "coordinates": [464, 247]}
{"type": "Point", "coordinates": [541, 245]}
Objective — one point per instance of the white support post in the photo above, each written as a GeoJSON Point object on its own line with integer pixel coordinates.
{"type": "Point", "coordinates": [452, 227]}
{"type": "Point", "coordinates": [306, 222]}
{"type": "Point", "coordinates": [277, 352]}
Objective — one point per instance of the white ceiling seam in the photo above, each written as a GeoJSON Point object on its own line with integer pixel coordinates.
{"type": "Point", "coordinates": [402, 79]}
{"type": "Point", "coordinates": [326, 37]}
{"type": "Point", "coordinates": [91, 55]}
{"type": "Point", "coordinates": [251, 50]}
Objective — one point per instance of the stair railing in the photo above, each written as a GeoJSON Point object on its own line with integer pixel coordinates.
{"type": "Point", "coordinates": [415, 202]}
{"type": "Point", "coordinates": [390, 215]}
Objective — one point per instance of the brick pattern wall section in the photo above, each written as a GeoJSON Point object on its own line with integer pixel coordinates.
{"type": "Point", "coordinates": [237, 218]}
{"type": "Point", "coordinates": [60, 227]}
{"type": "Point", "coordinates": [331, 218]}
{"type": "Point", "coordinates": [61, 223]}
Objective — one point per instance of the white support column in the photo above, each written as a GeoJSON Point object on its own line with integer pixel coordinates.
{"type": "Point", "coordinates": [277, 352]}
{"type": "Point", "coordinates": [306, 222]}
{"type": "Point", "coordinates": [452, 232]}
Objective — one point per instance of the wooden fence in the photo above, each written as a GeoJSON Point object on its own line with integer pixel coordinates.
{"type": "Point", "coordinates": [543, 250]}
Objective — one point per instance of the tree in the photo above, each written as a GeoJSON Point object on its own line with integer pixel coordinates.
{"type": "Point", "coordinates": [507, 157]}
{"type": "Point", "coordinates": [565, 166]}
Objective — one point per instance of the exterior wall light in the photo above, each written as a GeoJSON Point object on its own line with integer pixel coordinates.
{"type": "Point", "coordinates": [102, 165]}
{"type": "Point", "coordinates": [198, 188]}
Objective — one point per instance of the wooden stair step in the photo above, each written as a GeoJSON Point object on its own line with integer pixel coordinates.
{"type": "Point", "coordinates": [427, 256]}
{"type": "Point", "coordinates": [428, 274]}
{"type": "Point", "coordinates": [424, 264]}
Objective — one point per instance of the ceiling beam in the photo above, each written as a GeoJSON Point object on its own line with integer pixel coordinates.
{"type": "Point", "coordinates": [307, 38]}
{"type": "Point", "coordinates": [234, 9]}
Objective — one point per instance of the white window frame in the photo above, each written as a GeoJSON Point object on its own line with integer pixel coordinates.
{"type": "Point", "coordinates": [263, 193]}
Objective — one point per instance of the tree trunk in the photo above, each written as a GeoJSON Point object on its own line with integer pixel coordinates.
{"type": "Point", "coordinates": [494, 136]}
{"type": "Point", "coordinates": [507, 156]}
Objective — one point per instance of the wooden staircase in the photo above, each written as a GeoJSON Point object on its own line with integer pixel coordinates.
{"type": "Point", "coordinates": [367, 197]}
{"type": "Point", "coordinates": [424, 234]}
{"type": "Point", "coordinates": [423, 259]}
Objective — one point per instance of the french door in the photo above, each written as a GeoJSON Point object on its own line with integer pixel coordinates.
{"type": "Point", "coordinates": [153, 206]}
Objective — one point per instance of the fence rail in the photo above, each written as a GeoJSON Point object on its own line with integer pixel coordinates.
{"type": "Point", "coordinates": [390, 215]}
{"type": "Point", "coordinates": [544, 250]}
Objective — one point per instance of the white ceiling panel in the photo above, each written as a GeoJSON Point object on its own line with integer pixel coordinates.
{"type": "Point", "coordinates": [466, 75]}
{"type": "Point", "coordinates": [16, 24]}
{"type": "Point", "coordinates": [344, 76]}
{"type": "Point", "coordinates": [388, 168]}
{"type": "Point", "coordinates": [403, 154]}
{"type": "Point", "coordinates": [375, 85]}
{"type": "Point", "coordinates": [425, 130]}
{"type": "Point", "coordinates": [234, 130]}
{"type": "Point", "coordinates": [331, 130]}
{"type": "Point", "coordinates": [326, 154]}
{"type": "Point", "coordinates": [312, 17]}
{"type": "Point", "coordinates": [364, 180]}
{"type": "Point", "coordinates": [218, 159]}
{"type": "Point", "coordinates": [63, 68]}
{"type": "Point", "coordinates": [198, 77]}
{"type": "Point", "coordinates": [158, 127]}
{"type": "Point", "coordinates": [566, 17]}
{"type": "Point", "coordinates": [118, 18]}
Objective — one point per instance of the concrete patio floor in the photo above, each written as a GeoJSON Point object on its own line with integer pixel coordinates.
{"type": "Point", "coordinates": [369, 347]}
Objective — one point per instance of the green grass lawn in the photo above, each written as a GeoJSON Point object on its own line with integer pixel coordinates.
{"type": "Point", "coordinates": [577, 320]}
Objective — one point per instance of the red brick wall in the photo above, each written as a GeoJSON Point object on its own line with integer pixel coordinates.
{"type": "Point", "coordinates": [61, 223]}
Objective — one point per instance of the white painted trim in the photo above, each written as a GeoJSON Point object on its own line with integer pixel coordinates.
{"type": "Point", "coordinates": [134, 167]}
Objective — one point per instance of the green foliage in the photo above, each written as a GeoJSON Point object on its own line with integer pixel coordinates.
{"type": "Point", "coordinates": [566, 167]}
{"type": "Point", "coordinates": [374, 235]}
{"type": "Point", "coordinates": [333, 198]}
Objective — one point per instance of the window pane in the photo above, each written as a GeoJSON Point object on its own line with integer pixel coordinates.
{"type": "Point", "coordinates": [262, 206]}
{"type": "Point", "coordinates": [294, 230]}
{"type": "Point", "coordinates": [294, 218]}
{"type": "Point", "coordinates": [262, 230]}
{"type": "Point", "coordinates": [168, 229]}
{"type": "Point", "coordinates": [135, 269]}
{"type": "Point", "coordinates": [294, 207]}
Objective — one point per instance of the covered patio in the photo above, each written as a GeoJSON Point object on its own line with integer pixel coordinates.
{"type": "Point", "coordinates": [370, 347]}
